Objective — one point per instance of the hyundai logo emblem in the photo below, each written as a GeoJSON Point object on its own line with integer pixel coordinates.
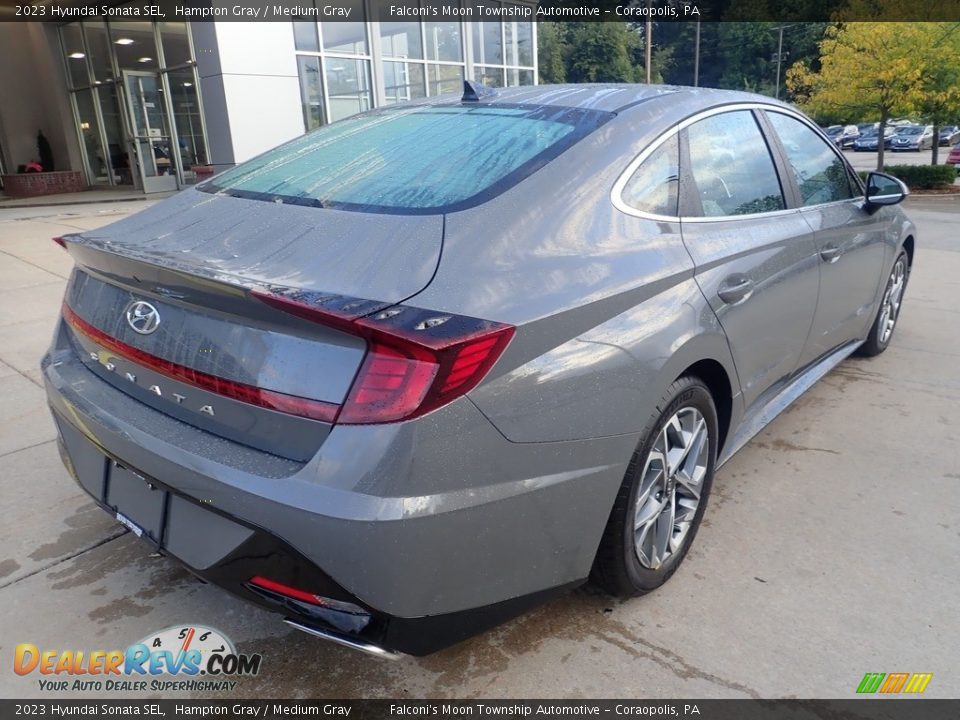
{"type": "Point", "coordinates": [142, 317]}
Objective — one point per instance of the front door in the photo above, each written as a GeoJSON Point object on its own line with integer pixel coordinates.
{"type": "Point", "coordinates": [150, 132]}
{"type": "Point", "coordinates": [851, 243]}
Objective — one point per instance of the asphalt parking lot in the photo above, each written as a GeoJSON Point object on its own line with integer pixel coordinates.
{"type": "Point", "coordinates": [868, 160]}
{"type": "Point", "coordinates": [829, 548]}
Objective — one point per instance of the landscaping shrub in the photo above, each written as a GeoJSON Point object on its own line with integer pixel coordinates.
{"type": "Point", "coordinates": [923, 177]}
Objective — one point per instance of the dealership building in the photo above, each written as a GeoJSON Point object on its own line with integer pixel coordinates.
{"type": "Point", "coordinates": [157, 106]}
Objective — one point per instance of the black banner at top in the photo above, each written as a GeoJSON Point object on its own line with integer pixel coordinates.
{"type": "Point", "coordinates": [484, 10]}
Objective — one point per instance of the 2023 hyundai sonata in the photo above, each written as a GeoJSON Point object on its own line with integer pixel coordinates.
{"type": "Point", "coordinates": [416, 371]}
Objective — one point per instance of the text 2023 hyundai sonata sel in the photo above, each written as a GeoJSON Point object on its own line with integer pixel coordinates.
{"type": "Point", "coordinates": [414, 372]}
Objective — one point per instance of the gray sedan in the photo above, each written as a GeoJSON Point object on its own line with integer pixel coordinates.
{"type": "Point", "coordinates": [415, 372]}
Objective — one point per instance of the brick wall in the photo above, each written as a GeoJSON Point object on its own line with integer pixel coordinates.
{"type": "Point", "coordinates": [25, 185]}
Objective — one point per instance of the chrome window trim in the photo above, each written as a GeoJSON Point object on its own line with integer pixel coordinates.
{"type": "Point", "coordinates": [616, 193]}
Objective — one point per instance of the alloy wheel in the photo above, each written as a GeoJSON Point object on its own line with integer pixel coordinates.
{"type": "Point", "coordinates": [892, 299]}
{"type": "Point", "coordinates": [670, 487]}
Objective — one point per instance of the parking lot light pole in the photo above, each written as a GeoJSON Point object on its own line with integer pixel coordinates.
{"type": "Point", "coordinates": [780, 57]}
{"type": "Point", "coordinates": [648, 40]}
{"type": "Point", "coordinates": [696, 58]}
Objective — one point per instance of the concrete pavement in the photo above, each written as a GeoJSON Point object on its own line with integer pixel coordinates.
{"type": "Point", "coordinates": [829, 548]}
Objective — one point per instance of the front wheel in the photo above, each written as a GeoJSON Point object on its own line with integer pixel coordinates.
{"type": "Point", "coordinates": [663, 496]}
{"type": "Point", "coordinates": [889, 310]}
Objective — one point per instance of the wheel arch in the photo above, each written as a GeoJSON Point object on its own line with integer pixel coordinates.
{"type": "Point", "coordinates": [715, 377]}
{"type": "Point", "coordinates": [707, 356]}
{"type": "Point", "coordinates": [908, 245]}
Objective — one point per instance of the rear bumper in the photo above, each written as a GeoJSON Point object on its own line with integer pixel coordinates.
{"type": "Point", "coordinates": [439, 527]}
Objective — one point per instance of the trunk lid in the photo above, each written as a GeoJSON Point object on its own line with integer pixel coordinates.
{"type": "Point", "coordinates": [218, 358]}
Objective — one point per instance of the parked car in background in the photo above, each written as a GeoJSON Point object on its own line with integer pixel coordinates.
{"type": "Point", "coordinates": [418, 370]}
{"type": "Point", "coordinates": [849, 136]}
{"type": "Point", "coordinates": [835, 133]}
{"type": "Point", "coordinates": [869, 141]}
{"type": "Point", "coordinates": [865, 128]}
{"type": "Point", "coordinates": [949, 134]}
{"type": "Point", "coordinates": [915, 138]}
{"type": "Point", "coordinates": [954, 157]}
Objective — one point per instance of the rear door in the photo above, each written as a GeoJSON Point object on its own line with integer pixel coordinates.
{"type": "Point", "coordinates": [851, 243]}
{"type": "Point", "coordinates": [755, 259]}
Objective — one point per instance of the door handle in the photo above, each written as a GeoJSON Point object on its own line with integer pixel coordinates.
{"type": "Point", "coordinates": [830, 253]}
{"type": "Point", "coordinates": [735, 288]}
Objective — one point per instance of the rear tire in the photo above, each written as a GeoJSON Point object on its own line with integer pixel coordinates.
{"type": "Point", "coordinates": [663, 495]}
{"type": "Point", "coordinates": [889, 311]}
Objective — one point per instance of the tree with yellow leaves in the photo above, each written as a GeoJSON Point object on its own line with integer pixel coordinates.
{"type": "Point", "coordinates": [873, 67]}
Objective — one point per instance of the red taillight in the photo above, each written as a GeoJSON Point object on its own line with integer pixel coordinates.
{"type": "Point", "coordinates": [416, 360]}
{"type": "Point", "coordinates": [61, 242]}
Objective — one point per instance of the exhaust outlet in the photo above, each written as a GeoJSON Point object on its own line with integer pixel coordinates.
{"type": "Point", "coordinates": [352, 643]}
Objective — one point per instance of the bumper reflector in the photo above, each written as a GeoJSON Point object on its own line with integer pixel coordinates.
{"type": "Point", "coordinates": [308, 597]}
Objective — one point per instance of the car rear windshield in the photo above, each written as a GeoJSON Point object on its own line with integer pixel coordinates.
{"type": "Point", "coordinates": [422, 159]}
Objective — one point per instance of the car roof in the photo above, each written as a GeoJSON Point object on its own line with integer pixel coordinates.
{"type": "Point", "coordinates": [617, 97]}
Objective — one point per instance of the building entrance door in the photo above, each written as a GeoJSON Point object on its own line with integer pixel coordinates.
{"type": "Point", "coordinates": [150, 131]}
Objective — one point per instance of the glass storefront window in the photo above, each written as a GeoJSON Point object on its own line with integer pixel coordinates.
{"type": "Point", "coordinates": [348, 86]}
{"type": "Point", "coordinates": [346, 37]}
{"type": "Point", "coordinates": [186, 119]}
{"type": "Point", "coordinates": [98, 49]}
{"type": "Point", "coordinates": [134, 45]}
{"type": "Point", "coordinates": [519, 37]}
{"type": "Point", "coordinates": [401, 40]}
{"type": "Point", "coordinates": [487, 43]}
{"type": "Point", "coordinates": [517, 76]}
{"type": "Point", "coordinates": [75, 55]}
{"type": "Point", "coordinates": [402, 81]}
{"type": "Point", "coordinates": [445, 79]}
{"type": "Point", "coordinates": [90, 134]}
{"type": "Point", "coordinates": [117, 149]}
{"type": "Point", "coordinates": [488, 76]}
{"type": "Point", "coordinates": [444, 41]}
{"type": "Point", "coordinates": [311, 91]}
{"type": "Point", "coordinates": [305, 36]}
{"type": "Point", "coordinates": [146, 123]}
{"type": "Point", "coordinates": [176, 43]}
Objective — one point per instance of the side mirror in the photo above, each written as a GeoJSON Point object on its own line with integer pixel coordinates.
{"type": "Point", "coordinates": [883, 189]}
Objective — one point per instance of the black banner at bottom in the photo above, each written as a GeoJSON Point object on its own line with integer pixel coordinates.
{"type": "Point", "coordinates": [867, 709]}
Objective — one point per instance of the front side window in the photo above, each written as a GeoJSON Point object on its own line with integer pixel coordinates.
{"type": "Point", "coordinates": [731, 166]}
{"type": "Point", "coordinates": [653, 188]}
{"type": "Point", "coordinates": [412, 160]}
{"type": "Point", "coordinates": [820, 173]}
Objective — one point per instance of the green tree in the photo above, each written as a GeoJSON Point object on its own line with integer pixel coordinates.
{"type": "Point", "coordinates": [939, 103]}
{"type": "Point", "coordinates": [603, 52]}
{"type": "Point", "coordinates": [583, 52]}
{"type": "Point", "coordinates": [867, 69]}
{"type": "Point", "coordinates": [551, 50]}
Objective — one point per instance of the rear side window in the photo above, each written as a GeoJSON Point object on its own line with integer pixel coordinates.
{"type": "Point", "coordinates": [820, 173]}
{"type": "Point", "coordinates": [654, 187]}
{"type": "Point", "coordinates": [732, 167]}
{"type": "Point", "coordinates": [411, 160]}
